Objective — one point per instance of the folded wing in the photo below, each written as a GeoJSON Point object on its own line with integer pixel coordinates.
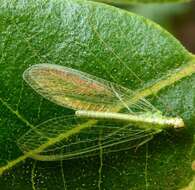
{"type": "Point", "coordinates": [110, 137]}
{"type": "Point", "coordinates": [78, 90]}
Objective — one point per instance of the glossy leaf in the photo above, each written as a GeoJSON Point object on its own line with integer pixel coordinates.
{"type": "Point", "coordinates": [108, 43]}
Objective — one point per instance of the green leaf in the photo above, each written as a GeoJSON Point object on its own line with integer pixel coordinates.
{"type": "Point", "coordinates": [161, 13]}
{"type": "Point", "coordinates": [142, 1]}
{"type": "Point", "coordinates": [105, 42]}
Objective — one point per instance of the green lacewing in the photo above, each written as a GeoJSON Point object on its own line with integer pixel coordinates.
{"type": "Point", "coordinates": [116, 118]}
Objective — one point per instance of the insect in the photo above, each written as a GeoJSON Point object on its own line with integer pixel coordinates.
{"type": "Point", "coordinates": [117, 122]}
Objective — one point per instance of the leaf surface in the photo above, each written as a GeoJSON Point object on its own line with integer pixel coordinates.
{"type": "Point", "coordinates": [108, 43]}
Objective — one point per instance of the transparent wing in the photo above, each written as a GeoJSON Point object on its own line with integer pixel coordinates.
{"type": "Point", "coordinates": [78, 90]}
{"type": "Point", "coordinates": [109, 136]}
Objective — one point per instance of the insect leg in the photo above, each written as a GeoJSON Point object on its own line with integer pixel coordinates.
{"type": "Point", "coordinates": [144, 142]}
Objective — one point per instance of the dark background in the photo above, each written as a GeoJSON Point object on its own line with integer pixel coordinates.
{"type": "Point", "coordinates": [178, 19]}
